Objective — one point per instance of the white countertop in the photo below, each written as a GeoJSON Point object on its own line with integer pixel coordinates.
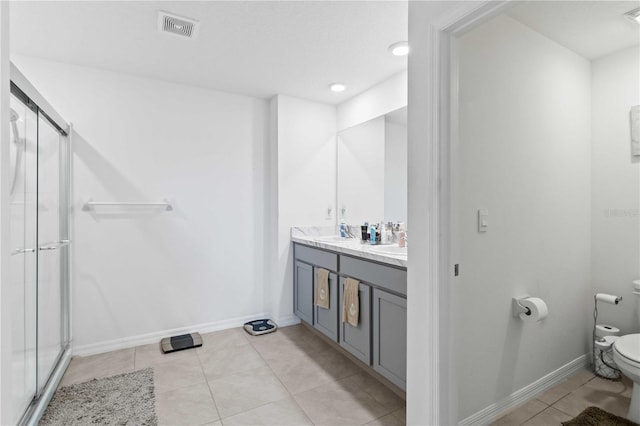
{"type": "Point", "coordinates": [353, 247]}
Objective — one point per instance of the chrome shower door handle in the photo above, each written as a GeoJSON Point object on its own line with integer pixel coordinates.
{"type": "Point", "coordinates": [55, 245]}
{"type": "Point", "coordinates": [22, 251]}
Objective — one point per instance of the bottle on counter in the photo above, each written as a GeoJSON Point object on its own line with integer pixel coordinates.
{"type": "Point", "coordinates": [383, 232]}
{"type": "Point", "coordinates": [364, 232]}
{"type": "Point", "coordinates": [372, 234]}
{"type": "Point", "coordinates": [402, 235]}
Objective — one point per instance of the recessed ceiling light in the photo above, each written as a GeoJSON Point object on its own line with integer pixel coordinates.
{"type": "Point", "coordinates": [634, 15]}
{"type": "Point", "coordinates": [400, 48]}
{"type": "Point", "coordinates": [338, 87]}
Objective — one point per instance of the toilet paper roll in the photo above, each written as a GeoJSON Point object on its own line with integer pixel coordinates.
{"type": "Point", "coordinates": [537, 309]}
{"type": "Point", "coordinates": [606, 342]}
{"type": "Point", "coordinates": [603, 330]}
{"type": "Point", "coordinates": [608, 298]}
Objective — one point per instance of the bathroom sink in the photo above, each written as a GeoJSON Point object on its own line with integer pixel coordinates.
{"type": "Point", "coordinates": [393, 250]}
{"type": "Point", "coordinates": [333, 239]}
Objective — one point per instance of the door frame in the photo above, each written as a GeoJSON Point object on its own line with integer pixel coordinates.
{"type": "Point", "coordinates": [431, 379]}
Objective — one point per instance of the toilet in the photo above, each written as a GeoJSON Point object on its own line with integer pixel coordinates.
{"type": "Point", "coordinates": [626, 355]}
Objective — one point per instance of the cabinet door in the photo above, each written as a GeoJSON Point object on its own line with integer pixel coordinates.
{"type": "Point", "coordinates": [326, 320]}
{"type": "Point", "coordinates": [303, 292]}
{"type": "Point", "coordinates": [357, 340]}
{"type": "Point", "coordinates": [390, 336]}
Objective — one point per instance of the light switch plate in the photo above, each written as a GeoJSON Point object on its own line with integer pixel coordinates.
{"type": "Point", "coordinates": [483, 220]}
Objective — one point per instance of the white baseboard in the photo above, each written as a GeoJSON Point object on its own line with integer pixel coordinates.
{"type": "Point", "coordinates": [286, 321]}
{"type": "Point", "coordinates": [145, 339]}
{"type": "Point", "coordinates": [489, 414]}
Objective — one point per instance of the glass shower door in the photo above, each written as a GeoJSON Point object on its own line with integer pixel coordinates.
{"type": "Point", "coordinates": [52, 247]}
{"type": "Point", "coordinates": [39, 265]}
{"type": "Point", "coordinates": [23, 261]}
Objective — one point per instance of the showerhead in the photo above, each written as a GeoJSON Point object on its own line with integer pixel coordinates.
{"type": "Point", "coordinates": [13, 117]}
{"type": "Point", "coordinates": [20, 145]}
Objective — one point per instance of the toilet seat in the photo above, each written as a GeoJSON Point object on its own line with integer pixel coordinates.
{"type": "Point", "coordinates": [629, 348]}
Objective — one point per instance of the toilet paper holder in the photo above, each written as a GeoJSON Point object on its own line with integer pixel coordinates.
{"type": "Point", "coordinates": [517, 308]}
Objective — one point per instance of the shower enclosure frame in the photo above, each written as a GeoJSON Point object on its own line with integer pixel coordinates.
{"type": "Point", "coordinates": [28, 94]}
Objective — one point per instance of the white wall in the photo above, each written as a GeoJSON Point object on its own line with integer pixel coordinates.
{"type": "Point", "coordinates": [361, 173]}
{"type": "Point", "coordinates": [384, 97]}
{"type": "Point", "coordinates": [140, 273]}
{"type": "Point", "coordinates": [304, 155]}
{"type": "Point", "coordinates": [524, 154]}
{"type": "Point", "coordinates": [615, 180]}
{"type": "Point", "coordinates": [395, 172]}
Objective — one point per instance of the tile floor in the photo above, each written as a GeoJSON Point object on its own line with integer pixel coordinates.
{"type": "Point", "coordinates": [567, 399]}
{"type": "Point", "coordinates": [291, 377]}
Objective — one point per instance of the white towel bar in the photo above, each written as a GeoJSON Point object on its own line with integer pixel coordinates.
{"type": "Point", "coordinates": [91, 204]}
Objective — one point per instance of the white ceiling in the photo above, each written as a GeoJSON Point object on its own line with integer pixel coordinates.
{"type": "Point", "coordinates": [258, 48]}
{"type": "Point", "coordinates": [590, 28]}
{"type": "Point", "coordinates": [262, 48]}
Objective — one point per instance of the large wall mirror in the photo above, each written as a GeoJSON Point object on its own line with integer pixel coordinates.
{"type": "Point", "coordinates": [372, 170]}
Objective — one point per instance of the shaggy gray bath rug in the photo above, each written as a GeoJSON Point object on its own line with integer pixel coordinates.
{"type": "Point", "coordinates": [594, 416]}
{"type": "Point", "coordinates": [125, 399]}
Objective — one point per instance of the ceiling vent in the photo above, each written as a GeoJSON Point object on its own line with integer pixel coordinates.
{"type": "Point", "coordinates": [170, 23]}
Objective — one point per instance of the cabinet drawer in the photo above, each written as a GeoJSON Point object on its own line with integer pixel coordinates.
{"type": "Point", "coordinates": [384, 276]}
{"type": "Point", "coordinates": [316, 257]}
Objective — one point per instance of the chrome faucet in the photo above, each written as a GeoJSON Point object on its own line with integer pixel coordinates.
{"type": "Point", "coordinates": [348, 230]}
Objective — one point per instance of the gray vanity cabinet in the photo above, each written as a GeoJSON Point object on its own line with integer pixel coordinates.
{"type": "Point", "coordinates": [357, 340]}
{"type": "Point", "coordinates": [303, 291]}
{"type": "Point", "coordinates": [326, 320]}
{"type": "Point", "coordinates": [380, 339]}
{"type": "Point", "coordinates": [307, 261]}
{"type": "Point", "coordinates": [390, 336]}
